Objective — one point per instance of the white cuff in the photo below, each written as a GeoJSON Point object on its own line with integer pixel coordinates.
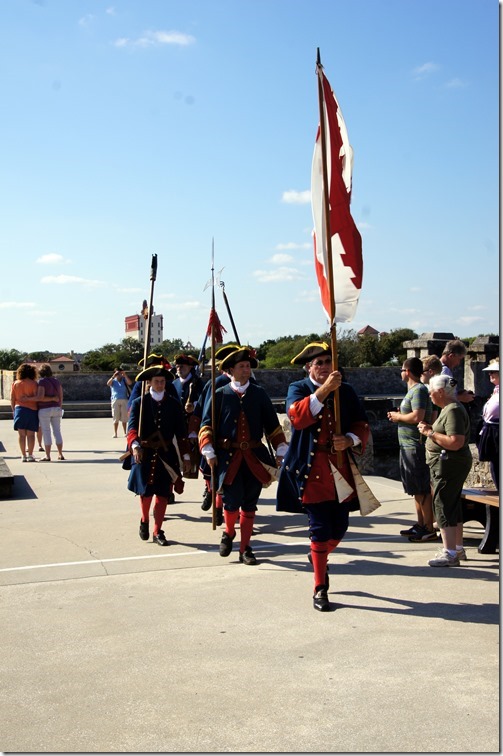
{"type": "Point", "coordinates": [315, 405]}
{"type": "Point", "coordinates": [208, 452]}
{"type": "Point", "coordinates": [281, 450]}
{"type": "Point", "coordinates": [356, 440]}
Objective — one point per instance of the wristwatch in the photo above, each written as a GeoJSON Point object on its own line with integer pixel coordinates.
{"type": "Point", "coordinates": [430, 433]}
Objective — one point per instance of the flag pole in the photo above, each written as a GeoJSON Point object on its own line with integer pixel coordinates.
{"type": "Point", "coordinates": [328, 235]}
{"type": "Point", "coordinates": [213, 388]}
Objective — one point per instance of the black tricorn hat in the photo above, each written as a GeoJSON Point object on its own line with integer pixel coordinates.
{"type": "Point", "coordinates": [224, 351]}
{"type": "Point", "coordinates": [242, 354]}
{"type": "Point", "coordinates": [154, 370]}
{"type": "Point", "coordinates": [310, 352]}
{"type": "Point", "coordinates": [154, 359]}
{"type": "Point", "coordinates": [184, 359]}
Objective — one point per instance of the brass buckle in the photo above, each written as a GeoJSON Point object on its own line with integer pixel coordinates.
{"type": "Point", "coordinates": [244, 445]}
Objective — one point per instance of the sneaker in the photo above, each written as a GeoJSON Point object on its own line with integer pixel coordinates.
{"type": "Point", "coordinates": [460, 553]}
{"type": "Point", "coordinates": [444, 559]}
{"type": "Point", "coordinates": [24, 459]}
{"type": "Point", "coordinates": [411, 531]}
{"type": "Point", "coordinates": [226, 544]}
{"type": "Point", "coordinates": [423, 534]}
{"type": "Point", "coordinates": [247, 557]}
{"type": "Point", "coordinates": [30, 458]}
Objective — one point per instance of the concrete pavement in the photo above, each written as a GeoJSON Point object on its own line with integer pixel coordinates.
{"type": "Point", "coordinates": [112, 644]}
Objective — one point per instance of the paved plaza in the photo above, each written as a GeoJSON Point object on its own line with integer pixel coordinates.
{"type": "Point", "coordinates": [113, 644]}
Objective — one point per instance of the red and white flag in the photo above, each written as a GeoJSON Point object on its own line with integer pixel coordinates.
{"type": "Point", "coordinates": [347, 261]}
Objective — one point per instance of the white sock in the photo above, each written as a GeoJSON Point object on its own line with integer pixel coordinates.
{"type": "Point", "coordinates": [451, 552]}
{"type": "Point", "coordinates": [459, 548]}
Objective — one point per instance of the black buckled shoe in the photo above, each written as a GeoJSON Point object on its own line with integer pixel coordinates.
{"type": "Point", "coordinates": [160, 538]}
{"type": "Point", "coordinates": [144, 534]}
{"type": "Point", "coordinates": [226, 544]}
{"type": "Point", "coordinates": [219, 516]}
{"type": "Point", "coordinates": [327, 581]}
{"type": "Point", "coordinates": [248, 557]}
{"type": "Point", "coordinates": [206, 500]}
{"type": "Point", "coordinates": [320, 599]}
{"type": "Point", "coordinates": [171, 498]}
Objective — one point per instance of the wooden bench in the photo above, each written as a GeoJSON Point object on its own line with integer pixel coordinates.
{"type": "Point", "coordinates": [482, 505]}
{"type": "Point", "coordinates": [6, 480]}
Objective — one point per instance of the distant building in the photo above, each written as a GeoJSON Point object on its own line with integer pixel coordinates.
{"type": "Point", "coordinates": [136, 326]}
{"type": "Point", "coordinates": [368, 331]}
{"type": "Point", "coordinates": [61, 364]}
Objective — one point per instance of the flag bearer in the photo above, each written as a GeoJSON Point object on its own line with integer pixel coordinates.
{"type": "Point", "coordinates": [312, 479]}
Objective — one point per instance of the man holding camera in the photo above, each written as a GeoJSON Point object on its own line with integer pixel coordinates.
{"type": "Point", "coordinates": [119, 385]}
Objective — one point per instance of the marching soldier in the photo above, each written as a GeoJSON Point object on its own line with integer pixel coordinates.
{"type": "Point", "coordinates": [243, 412]}
{"type": "Point", "coordinates": [155, 420]}
{"type": "Point", "coordinates": [316, 476]}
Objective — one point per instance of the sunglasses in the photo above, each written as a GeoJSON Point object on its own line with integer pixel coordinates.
{"type": "Point", "coordinates": [326, 361]}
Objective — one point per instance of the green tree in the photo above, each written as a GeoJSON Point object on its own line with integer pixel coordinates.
{"type": "Point", "coordinates": [11, 359]}
{"type": "Point", "coordinates": [391, 344]}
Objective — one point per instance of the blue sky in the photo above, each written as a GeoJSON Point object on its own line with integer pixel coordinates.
{"type": "Point", "coordinates": [133, 128]}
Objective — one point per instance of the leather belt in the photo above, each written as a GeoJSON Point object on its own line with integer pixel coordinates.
{"type": "Point", "coordinates": [226, 443]}
{"type": "Point", "coordinates": [324, 448]}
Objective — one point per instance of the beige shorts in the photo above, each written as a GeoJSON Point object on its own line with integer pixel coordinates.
{"type": "Point", "coordinates": [119, 411]}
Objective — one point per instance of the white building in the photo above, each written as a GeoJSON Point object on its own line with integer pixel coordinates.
{"type": "Point", "coordinates": [136, 327]}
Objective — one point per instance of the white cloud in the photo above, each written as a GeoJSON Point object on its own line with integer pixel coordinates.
{"type": "Point", "coordinates": [277, 275]}
{"type": "Point", "coordinates": [281, 259]}
{"type": "Point", "coordinates": [65, 280]}
{"type": "Point", "coordinates": [293, 245]}
{"type": "Point", "coordinates": [50, 259]}
{"type": "Point", "coordinates": [178, 306]}
{"type": "Point", "coordinates": [455, 83]}
{"type": "Point", "coordinates": [474, 308]}
{"type": "Point", "coordinates": [86, 20]}
{"type": "Point", "coordinates": [468, 320]}
{"type": "Point", "coordinates": [426, 69]}
{"type": "Point", "coordinates": [293, 197]}
{"type": "Point", "coordinates": [308, 295]}
{"type": "Point", "coordinates": [16, 305]}
{"type": "Point", "coordinates": [156, 38]}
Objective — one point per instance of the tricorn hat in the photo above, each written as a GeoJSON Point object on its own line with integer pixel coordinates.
{"type": "Point", "coordinates": [494, 366]}
{"type": "Point", "coordinates": [154, 370]}
{"type": "Point", "coordinates": [242, 354]}
{"type": "Point", "coordinates": [185, 359]}
{"type": "Point", "coordinates": [224, 351]}
{"type": "Point", "coordinates": [310, 352]}
{"type": "Point", "coordinates": [154, 359]}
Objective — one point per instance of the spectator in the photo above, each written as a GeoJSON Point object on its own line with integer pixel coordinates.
{"type": "Point", "coordinates": [23, 400]}
{"type": "Point", "coordinates": [414, 472]}
{"type": "Point", "coordinates": [431, 366]}
{"type": "Point", "coordinates": [450, 460]}
{"type": "Point", "coordinates": [488, 441]}
{"type": "Point", "coordinates": [50, 411]}
{"type": "Point", "coordinates": [452, 356]}
{"type": "Point", "coordinates": [313, 479]}
{"type": "Point", "coordinates": [119, 385]}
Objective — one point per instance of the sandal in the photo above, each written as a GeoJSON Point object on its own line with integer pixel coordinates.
{"type": "Point", "coordinates": [61, 457]}
{"type": "Point", "coordinates": [44, 459]}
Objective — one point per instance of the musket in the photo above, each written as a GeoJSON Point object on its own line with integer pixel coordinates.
{"type": "Point", "coordinates": [153, 276]}
{"type": "Point", "coordinates": [229, 313]}
{"type": "Point", "coordinates": [213, 379]}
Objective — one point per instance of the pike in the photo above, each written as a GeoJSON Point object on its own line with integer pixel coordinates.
{"type": "Point", "coordinates": [153, 276]}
